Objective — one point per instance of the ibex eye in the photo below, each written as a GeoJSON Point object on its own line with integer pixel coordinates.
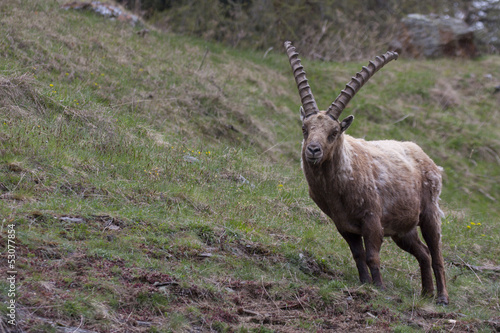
{"type": "Point", "coordinates": [332, 136]}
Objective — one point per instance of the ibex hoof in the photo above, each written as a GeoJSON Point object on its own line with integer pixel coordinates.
{"type": "Point", "coordinates": [427, 293]}
{"type": "Point", "coordinates": [380, 285]}
{"type": "Point", "coordinates": [442, 300]}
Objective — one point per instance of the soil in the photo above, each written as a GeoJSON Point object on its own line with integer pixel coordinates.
{"type": "Point", "coordinates": [50, 278]}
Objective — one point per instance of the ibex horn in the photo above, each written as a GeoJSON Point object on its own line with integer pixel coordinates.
{"type": "Point", "coordinates": [357, 82]}
{"type": "Point", "coordinates": [306, 96]}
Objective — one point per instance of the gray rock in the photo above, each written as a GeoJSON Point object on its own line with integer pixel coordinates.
{"type": "Point", "coordinates": [484, 16]}
{"type": "Point", "coordinates": [432, 37]}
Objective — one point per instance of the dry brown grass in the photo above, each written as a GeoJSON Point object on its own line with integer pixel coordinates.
{"type": "Point", "coordinates": [18, 97]}
{"type": "Point", "coordinates": [444, 94]}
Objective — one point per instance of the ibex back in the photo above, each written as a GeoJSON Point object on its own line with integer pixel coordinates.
{"type": "Point", "coordinates": [371, 189]}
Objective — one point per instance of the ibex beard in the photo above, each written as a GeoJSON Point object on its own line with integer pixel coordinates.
{"type": "Point", "coordinates": [371, 189]}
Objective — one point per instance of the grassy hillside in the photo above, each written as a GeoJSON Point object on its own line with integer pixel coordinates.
{"type": "Point", "coordinates": [155, 186]}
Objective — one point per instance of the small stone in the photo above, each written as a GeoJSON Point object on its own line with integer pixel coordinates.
{"type": "Point", "coordinates": [72, 219]}
{"type": "Point", "coordinates": [190, 159]}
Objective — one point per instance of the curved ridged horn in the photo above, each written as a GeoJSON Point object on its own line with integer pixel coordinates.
{"type": "Point", "coordinates": [306, 96]}
{"type": "Point", "coordinates": [357, 82]}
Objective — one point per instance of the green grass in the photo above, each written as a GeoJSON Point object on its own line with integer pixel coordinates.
{"type": "Point", "coordinates": [145, 189]}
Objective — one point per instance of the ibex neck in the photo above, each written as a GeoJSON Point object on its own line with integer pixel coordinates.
{"type": "Point", "coordinates": [341, 158]}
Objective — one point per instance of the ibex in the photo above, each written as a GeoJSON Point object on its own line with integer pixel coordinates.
{"type": "Point", "coordinates": [371, 189]}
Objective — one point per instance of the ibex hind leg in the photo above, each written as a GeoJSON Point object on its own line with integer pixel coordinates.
{"type": "Point", "coordinates": [412, 244]}
{"type": "Point", "coordinates": [430, 225]}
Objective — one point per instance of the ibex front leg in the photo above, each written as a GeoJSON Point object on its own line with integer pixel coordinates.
{"type": "Point", "coordinates": [373, 236]}
{"type": "Point", "coordinates": [358, 252]}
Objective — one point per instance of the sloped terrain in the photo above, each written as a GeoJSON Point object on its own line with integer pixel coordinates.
{"type": "Point", "coordinates": [154, 184]}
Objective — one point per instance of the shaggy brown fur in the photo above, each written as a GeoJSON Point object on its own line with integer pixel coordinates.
{"type": "Point", "coordinates": [374, 189]}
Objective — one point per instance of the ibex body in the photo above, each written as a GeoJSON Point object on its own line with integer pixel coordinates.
{"type": "Point", "coordinates": [371, 189]}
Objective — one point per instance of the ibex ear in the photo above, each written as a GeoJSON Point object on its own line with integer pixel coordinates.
{"type": "Point", "coordinates": [346, 123]}
{"type": "Point", "coordinates": [302, 114]}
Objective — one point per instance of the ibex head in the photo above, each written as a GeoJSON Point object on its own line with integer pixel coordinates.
{"type": "Point", "coordinates": [322, 129]}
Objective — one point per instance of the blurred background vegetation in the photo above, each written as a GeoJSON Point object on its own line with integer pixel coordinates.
{"type": "Point", "coordinates": [323, 29]}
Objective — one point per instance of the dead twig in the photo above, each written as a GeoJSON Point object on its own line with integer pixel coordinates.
{"type": "Point", "coordinates": [269, 296]}
{"type": "Point", "coordinates": [81, 323]}
{"type": "Point", "coordinates": [203, 60]}
{"type": "Point", "coordinates": [476, 268]}
{"type": "Point", "coordinates": [144, 100]}
{"type": "Point", "coordinates": [402, 118]}
{"type": "Point", "coordinates": [249, 312]}
{"type": "Point", "coordinates": [487, 195]}
{"type": "Point", "coordinates": [472, 269]}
